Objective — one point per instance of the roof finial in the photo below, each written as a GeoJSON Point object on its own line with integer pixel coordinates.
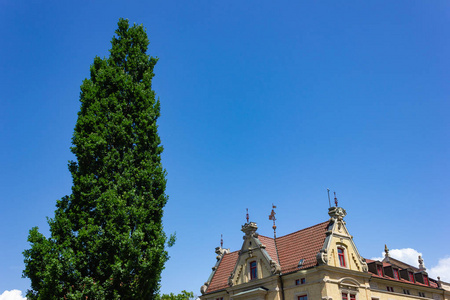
{"type": "Point", "coordinates": [421, 266]}
{"type": "Point", "coordinates": [386, 254]}
{"type": "Point", "coordinates": [247, 215]}
{"type": "Point", "coordinates": [335, 199]}
{"type": "Point", "coordinates": [221, 241]}
{"type": "Point", "coordinates": [272, 217]}
{"type": "Point", "coordinates": [329, 202]}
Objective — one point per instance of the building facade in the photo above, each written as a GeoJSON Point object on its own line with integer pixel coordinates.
{"type": "Point", "coordinates": [320, 262]}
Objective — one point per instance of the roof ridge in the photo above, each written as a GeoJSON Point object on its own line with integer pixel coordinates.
{"type": "Point", "coordinates": [412, 267]}
{"type": "Point", "coordinates": [265, 236]}
{"type": "Point", "coordinates": [276, 251]}
{"type": "Point", "coordinates": [303, 229]}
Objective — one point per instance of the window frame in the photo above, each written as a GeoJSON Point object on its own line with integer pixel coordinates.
{"type": "Point", "coordinates": [253, 270]}
{"type": "Point", "coordinates": [348, 295]}
{"type": "Point", "coordinates": [396, 273]}
{"type": "Point", "coordinates": [380, 270]}
{"type": "Point", "coordinates": [425, 280]}
{"type": "Point", "coordinates": [304, 297]}
{"type": "Point", "coordinates": [411, 276]}
{"type": "Point", "coordinates": [341, 256]}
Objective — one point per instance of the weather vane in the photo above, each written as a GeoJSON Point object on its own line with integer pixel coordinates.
{"type": "Point", "coordinates": [335, 199]}
{"type": "Point", "coordinates": [247, 215]}
{"type": "Point", "coordinates": [273, 218]}
{"type": "Point", "coordinates": [221, 241]}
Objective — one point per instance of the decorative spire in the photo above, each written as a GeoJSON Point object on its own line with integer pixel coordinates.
{"type": "Point", "coordinates": [421, 266]}
{"type": "Point", "coordinates": [386, 254]}
{"type": "Point", "coordinates": [221, 241]}
{"type": "Point", "coordinates": [335, 199]}
{"type": "Point", "coordinates": [247, 216]}
{"type": "Point", "coordinates": [272, 217]}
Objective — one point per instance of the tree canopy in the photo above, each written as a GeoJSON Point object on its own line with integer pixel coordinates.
{"type": "Point", "coordinates": [107, 239]}
{"type": "Point", "coordinates": [184, 295]}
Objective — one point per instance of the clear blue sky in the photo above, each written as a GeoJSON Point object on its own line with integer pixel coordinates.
{"type": "Point", "coordinates": [262, 103]}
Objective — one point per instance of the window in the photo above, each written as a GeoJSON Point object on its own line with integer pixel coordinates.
{"type": "Point", "coordinates": [300, 281]}
{"type": "Point", "coordinates": [396, 273]}
{"type": "Point", "coordinates": [221, 298]}
{"type": "Point", "coordinates": [405, 291]}
{"type": "Point", "coordinates": [297, 282]}
{"type": "Point", "coordinates": [390, 289]}
{"type": "Point", "coordinates": [425, 280]}
{"type": "Point", "coordinates": [379, 270]}
{"type": "Point", "coordinates": [421, 294]}
{"type": "Point", "coordinates": [341, 257]}
{"type": "Point", "coordinates": [347, 296]}
{"type": "Point", "coordinates": [303, 297]}
{"type": "Point", "coordinates": [411, 276]}
{"type": "Point", "coordinates": [253, 270]}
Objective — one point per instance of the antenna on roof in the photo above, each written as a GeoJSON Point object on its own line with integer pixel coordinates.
{"type": "Point", "coordinates": [329, 202]}
{"type": "Point", "coordinates": [335, 199]}
{"type": "Point", "coordinates": [272, 217]}
{"type": "Point", "coordinates": [247, 215]}
{"type": "Point", "coordinates": [221, 241]}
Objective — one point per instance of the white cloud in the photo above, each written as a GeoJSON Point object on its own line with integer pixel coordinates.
{"type": "Point", "coordinates": [406, 255]}
{"type": "Point", "coordinates": [12, 295]}
{"type": "Point", "coordinates": [442, 270]}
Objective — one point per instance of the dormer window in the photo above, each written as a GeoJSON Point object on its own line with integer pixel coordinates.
{"type": "Point", "coordinates": [253, 270]}
{"type": "Point", "coordinates": [379, 270]}
{"type": "Point", "coordinates": [411, 276]}
{"type": "Point", "coordinates": [425, 280]}
{"type": "Point", "coordinates": [341, 256]}
{"type": "Point", "coordinates": [396, 274]}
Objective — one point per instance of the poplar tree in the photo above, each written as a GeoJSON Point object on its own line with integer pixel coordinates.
{"type": "Point", "coordinates": [106, 238]}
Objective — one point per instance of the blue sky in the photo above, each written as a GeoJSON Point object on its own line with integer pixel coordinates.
{"type": "Point", "coordinates": [262, 103]}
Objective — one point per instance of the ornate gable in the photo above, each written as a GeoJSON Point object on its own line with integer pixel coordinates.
{"type": "Point", "coordinates": [338, 249]}
{"type": "Point", "coordinates": [254, 261]}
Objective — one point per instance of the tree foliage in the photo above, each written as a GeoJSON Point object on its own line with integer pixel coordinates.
{"type": "Point", "coordinates": [107, 239]}
{"type": "Point", "coordinates": [184, 295]}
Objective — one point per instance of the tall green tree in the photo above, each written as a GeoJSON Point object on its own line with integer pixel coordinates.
{"type": "Point", "coordinates": [107, 239]}
{"type": "Point", "coordinates": [184, 295]}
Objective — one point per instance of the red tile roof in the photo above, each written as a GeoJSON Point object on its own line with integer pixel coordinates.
{"type": "Point", "coordinates": [226, 266]}
{"type": "Point", "coordinates": [270, 247]}
{"type": "Point", "coordinates": [303, 244]}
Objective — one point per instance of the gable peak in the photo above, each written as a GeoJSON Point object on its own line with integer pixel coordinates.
{"type": "Point", "coordinates": [250, 229]}
{"type": "Point", "coordinates": [337, 213]}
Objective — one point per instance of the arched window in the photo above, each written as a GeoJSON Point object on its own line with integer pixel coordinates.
{"type": "Point", "coordinates": [341, 256]}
